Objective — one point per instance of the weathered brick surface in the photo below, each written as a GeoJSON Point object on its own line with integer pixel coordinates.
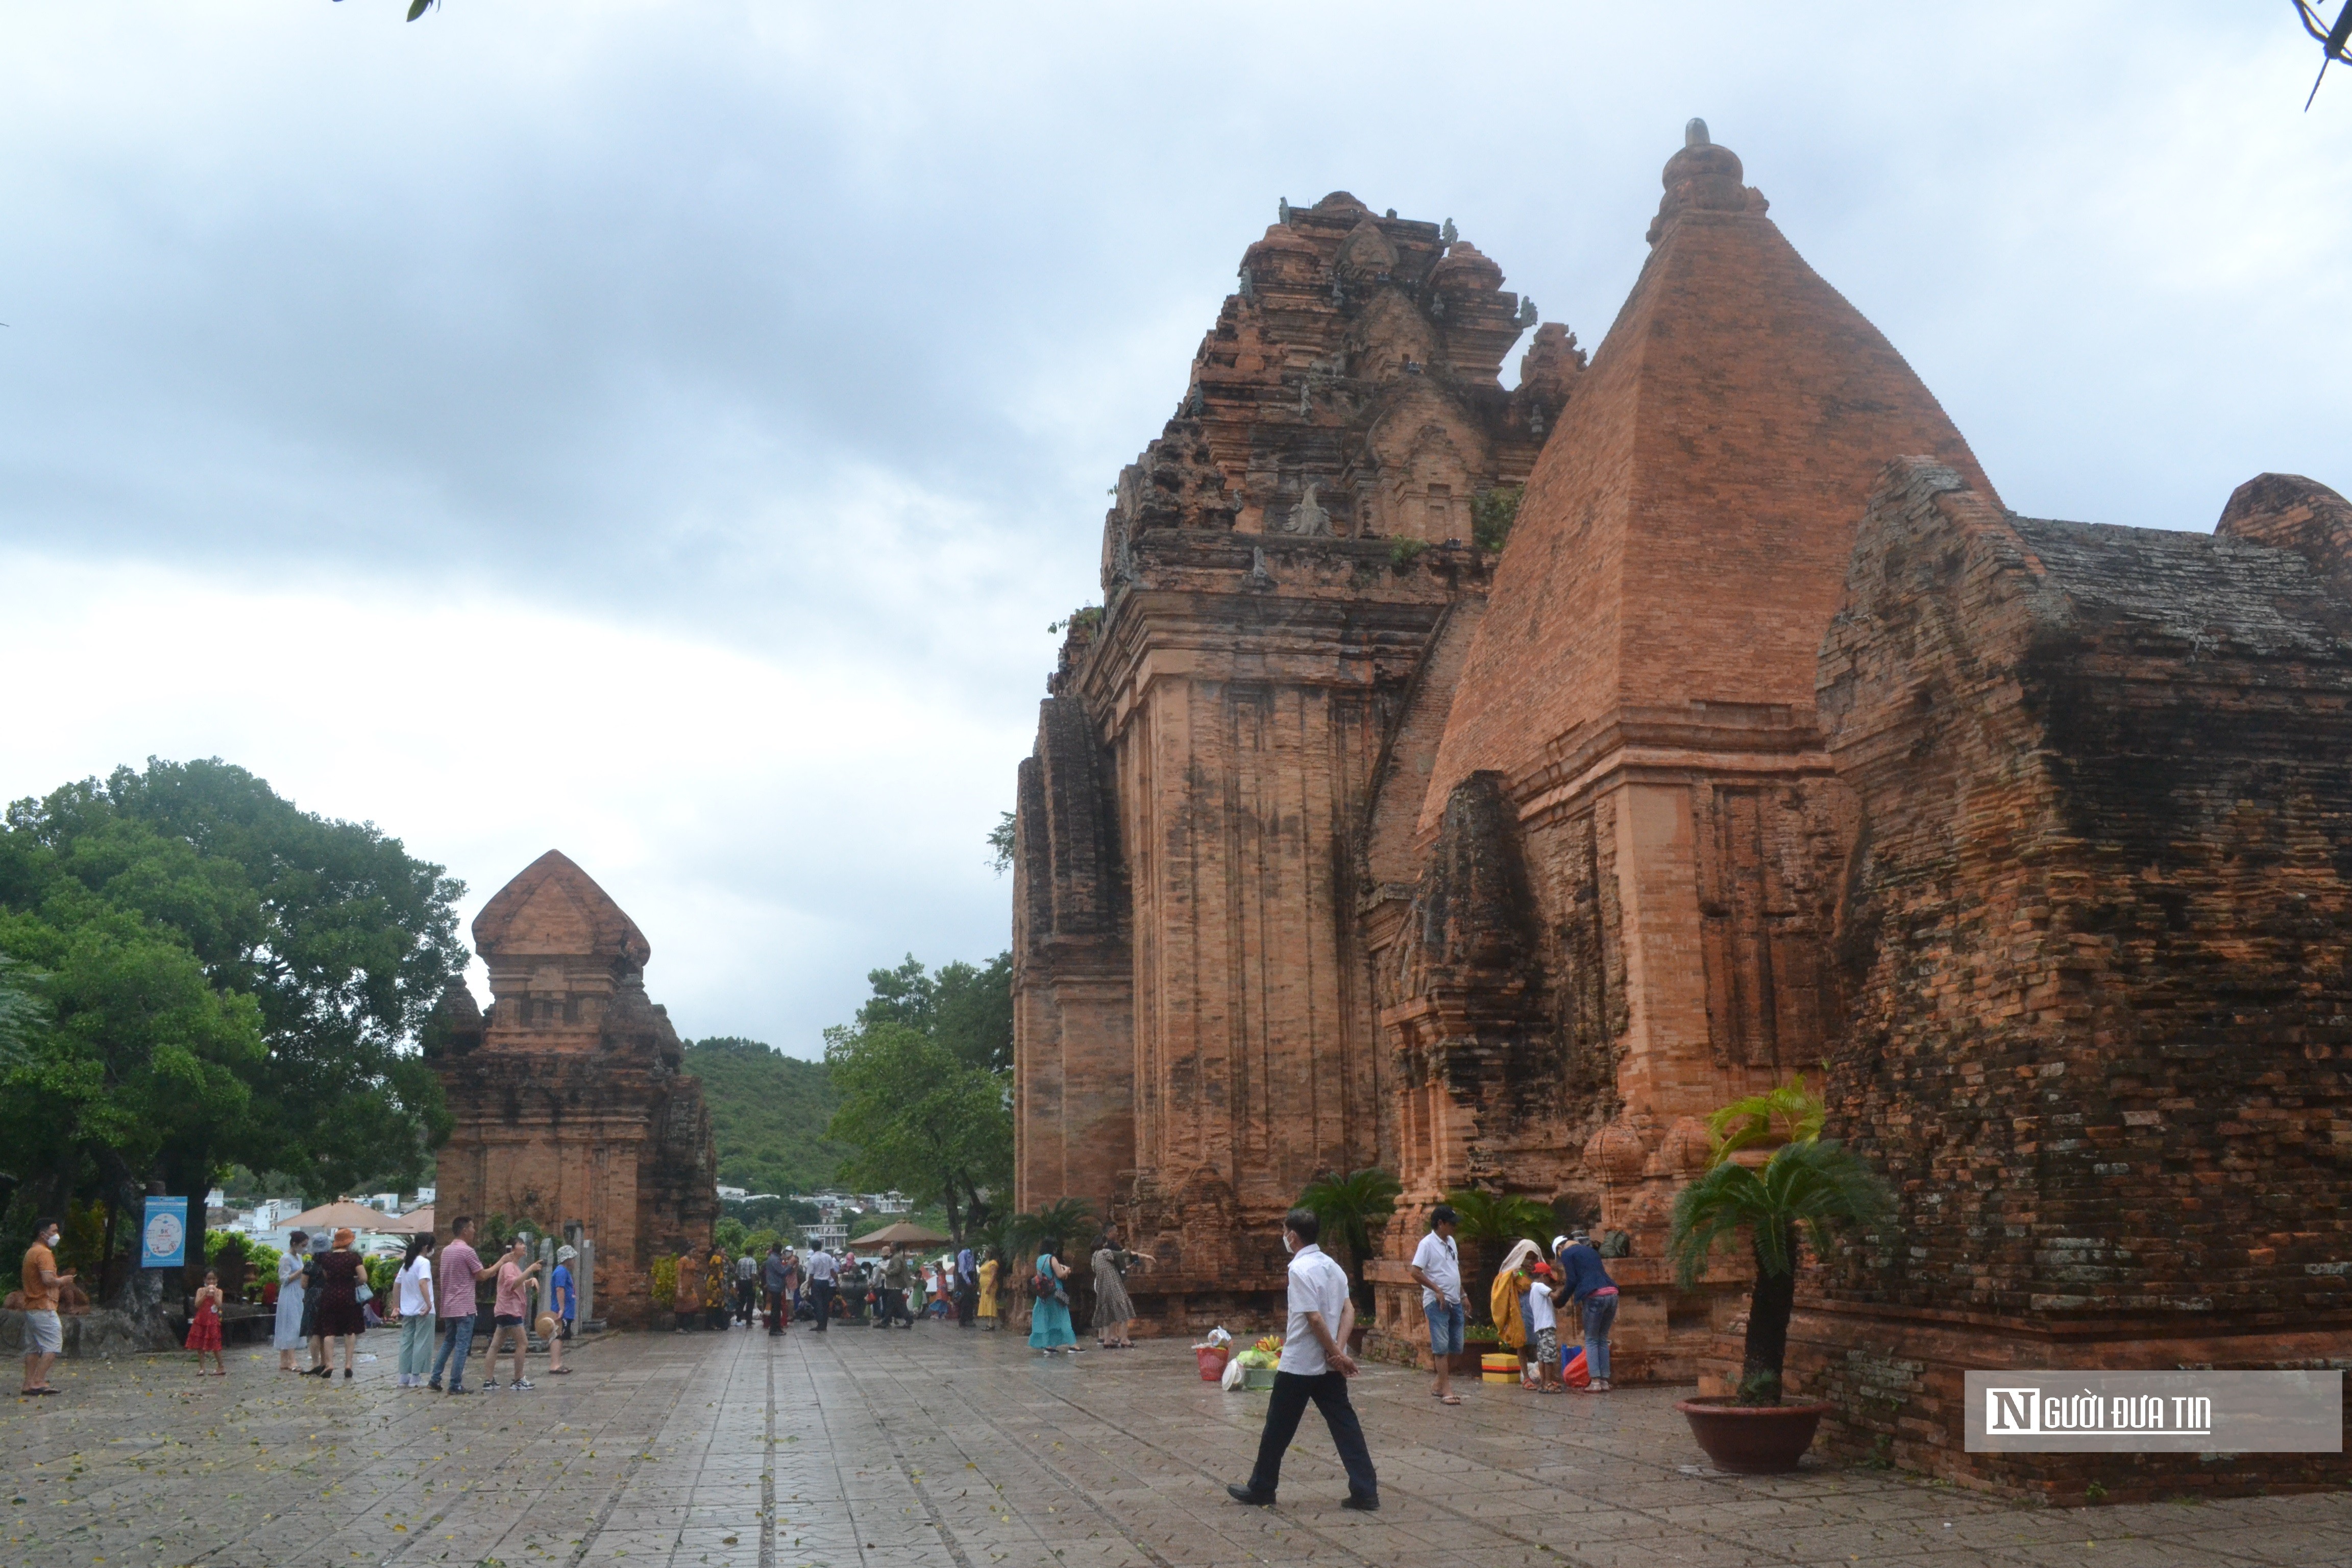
{"type": "Point", "coordinates": [2044, 847]}
{"type": "Point", "coordinates": [1640, 690]}
{"type": "Point", "coordinates": [569, 1101]}
{"type": "Point", "coordinates": [2098, 930]}
{"type": "Point", "coordinates": [1192, 1023]}
{"type": "Point", "coordinates": [1683, 538]}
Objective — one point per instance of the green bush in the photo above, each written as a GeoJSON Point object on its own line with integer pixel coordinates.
{"type": "Point", "coordinates": [1492, 514]}
{"type": "Point", "coordinates": [1405, 552]}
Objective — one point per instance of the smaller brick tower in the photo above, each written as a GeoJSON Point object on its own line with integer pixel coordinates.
{"type": "Point", "coordinates": [570, 1101]}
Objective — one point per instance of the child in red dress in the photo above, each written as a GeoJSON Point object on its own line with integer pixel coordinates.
{"type": "Point", "coordinates": [204, 1328]}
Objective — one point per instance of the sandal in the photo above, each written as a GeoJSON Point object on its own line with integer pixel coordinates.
{"type": "Point", "coordinates": [1449, 1399]}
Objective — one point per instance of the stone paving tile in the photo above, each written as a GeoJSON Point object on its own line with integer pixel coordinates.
{"type": "Point", "coordinates": [942, 1450]}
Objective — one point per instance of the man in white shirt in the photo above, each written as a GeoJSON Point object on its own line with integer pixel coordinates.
{"type": "Point", "coordinates": [1437, 1268]}
{"type": "Point", "coordinates": [1315, 1367]}
{"type": "Point", "coordinates": [821, 1270]}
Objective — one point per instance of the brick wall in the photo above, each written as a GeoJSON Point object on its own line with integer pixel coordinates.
{"type": "Point", "coordinates": [2097, 933]}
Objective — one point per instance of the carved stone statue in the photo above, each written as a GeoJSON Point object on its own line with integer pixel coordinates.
{"type": "Point", "coordinates": [1310, 519]}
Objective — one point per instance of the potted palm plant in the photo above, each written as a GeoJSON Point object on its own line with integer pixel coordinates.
{"type": "Point", "coordinates": [1809, 1188]}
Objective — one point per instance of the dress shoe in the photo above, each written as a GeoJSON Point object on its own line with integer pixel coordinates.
{"type": "Point", "coordinates": [1243, 1494]}
{"type": "Point", "coordinates": [1361, 1504]}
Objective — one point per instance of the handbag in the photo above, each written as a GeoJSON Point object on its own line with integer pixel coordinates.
{"type": "Point", "coordinates": [361, 1294]}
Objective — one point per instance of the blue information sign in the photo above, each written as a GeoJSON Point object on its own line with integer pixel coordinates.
{"type": "Point", "coordinates": [163, 1239]}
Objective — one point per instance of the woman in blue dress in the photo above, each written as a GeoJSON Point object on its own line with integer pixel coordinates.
{"type": "Point", "coordinates": [1049, 1321]}
{"type": "Point", "coordinates": [287, 1333]}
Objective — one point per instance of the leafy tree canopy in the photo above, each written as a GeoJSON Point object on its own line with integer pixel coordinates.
{"type": "Point", "coordinates": [968, 1010]}
{"type": "Point", "coordinates": [213, 975]}
{"type": "Point", "coordinates": [925, 1076]}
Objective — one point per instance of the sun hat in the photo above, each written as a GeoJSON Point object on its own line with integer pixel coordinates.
{"type": "Point", "coordinates": [566, 1254]}
{"type": "Point", "coordinates": [343, 1236]}
{"type": "Point", "coordinates": [545, 1327]}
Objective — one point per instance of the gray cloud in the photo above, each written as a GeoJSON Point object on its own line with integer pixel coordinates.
{"type": "Point", "coordinates": [817, 338]}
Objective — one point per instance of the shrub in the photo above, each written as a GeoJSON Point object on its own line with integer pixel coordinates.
{"type": "Point", "coordinates": [1492, 514]}
{"type": "Point", "coordinates": [1405, 552]}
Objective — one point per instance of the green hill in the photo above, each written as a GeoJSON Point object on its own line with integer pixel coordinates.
{"type": "Point", "coordinates": [768, 1115]}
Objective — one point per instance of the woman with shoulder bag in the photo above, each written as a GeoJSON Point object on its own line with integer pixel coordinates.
{"type": "Point", "coordinates": [1049, 1320]}
{"type": "Point", "coordinates": [343, 1292]}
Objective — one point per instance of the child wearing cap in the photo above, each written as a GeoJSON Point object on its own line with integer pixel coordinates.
{"type": "Point", "coordinates": [1543, 1323]}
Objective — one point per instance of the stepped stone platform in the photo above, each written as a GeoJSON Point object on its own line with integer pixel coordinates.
{"type": "Point", "coordinates": [959, 1450]}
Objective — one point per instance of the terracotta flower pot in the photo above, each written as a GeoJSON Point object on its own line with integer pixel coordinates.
{"type": "Point", "coordinates": [1753, 1439]}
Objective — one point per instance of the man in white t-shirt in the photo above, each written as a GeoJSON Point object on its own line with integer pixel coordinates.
{"type": "Point", "coordinates": [1437, 1268]}
{"type": "Point", "coordinates": [822, 1271]}
{"type": "Point", "coordinates": [1315, 1365]}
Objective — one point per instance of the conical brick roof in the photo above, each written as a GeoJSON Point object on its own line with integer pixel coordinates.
{"type": "Point", "coordinates": [1684, 537]}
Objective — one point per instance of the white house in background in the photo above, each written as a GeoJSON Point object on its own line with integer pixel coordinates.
{"type": "Point", "coordinates": [888, 1203]}
{"type": "Point", "coordinates": [423, 1197]}
{"type": "Point", "coordinates": [728, 1195]}
{"type": "Point", "coordinates": [269, 1215]}
{"type": "Point", "coordinates": [831, 1235]}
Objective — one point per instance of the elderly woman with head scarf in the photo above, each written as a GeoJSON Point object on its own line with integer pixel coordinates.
{"type": "Point", "coordinates": [1507, 1303]}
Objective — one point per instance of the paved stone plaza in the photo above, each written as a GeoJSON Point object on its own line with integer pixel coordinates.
{"type": "Point", "coordinates": [960, 1450]}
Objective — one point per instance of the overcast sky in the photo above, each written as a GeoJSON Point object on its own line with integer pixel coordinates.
{"type": "Point", "coordinates": [662, 432]}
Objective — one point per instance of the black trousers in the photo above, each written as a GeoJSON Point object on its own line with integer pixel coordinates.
{"type": "Point", "coordinates": [1329, 1392]}
{"type": "Point", "coordinates": [821, 1294]}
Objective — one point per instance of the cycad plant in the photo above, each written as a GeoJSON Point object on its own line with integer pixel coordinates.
{"type": "Point", "coordinates": [1786, 1114]}
{"type": "Point", "coordinates": [1812, 1187]}
{"type": "Point", "coordinates": [1050, 1229]}
{"type": "Point", "coordinates": [1495, 1223]}
{"type": "Point", "coordinates": [1351, 1208]}
{"type": "Point", "coordinates": [992, 1236]}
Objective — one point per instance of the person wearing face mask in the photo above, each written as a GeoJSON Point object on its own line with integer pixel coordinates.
{"type": "Point", "coordinates": [45, 1335]}
{"type": "Point", "coordinates": [1315, 1365]}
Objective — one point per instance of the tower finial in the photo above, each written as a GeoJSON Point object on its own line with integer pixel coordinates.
{"type": "Point", "coordinates": [1695, 133]}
